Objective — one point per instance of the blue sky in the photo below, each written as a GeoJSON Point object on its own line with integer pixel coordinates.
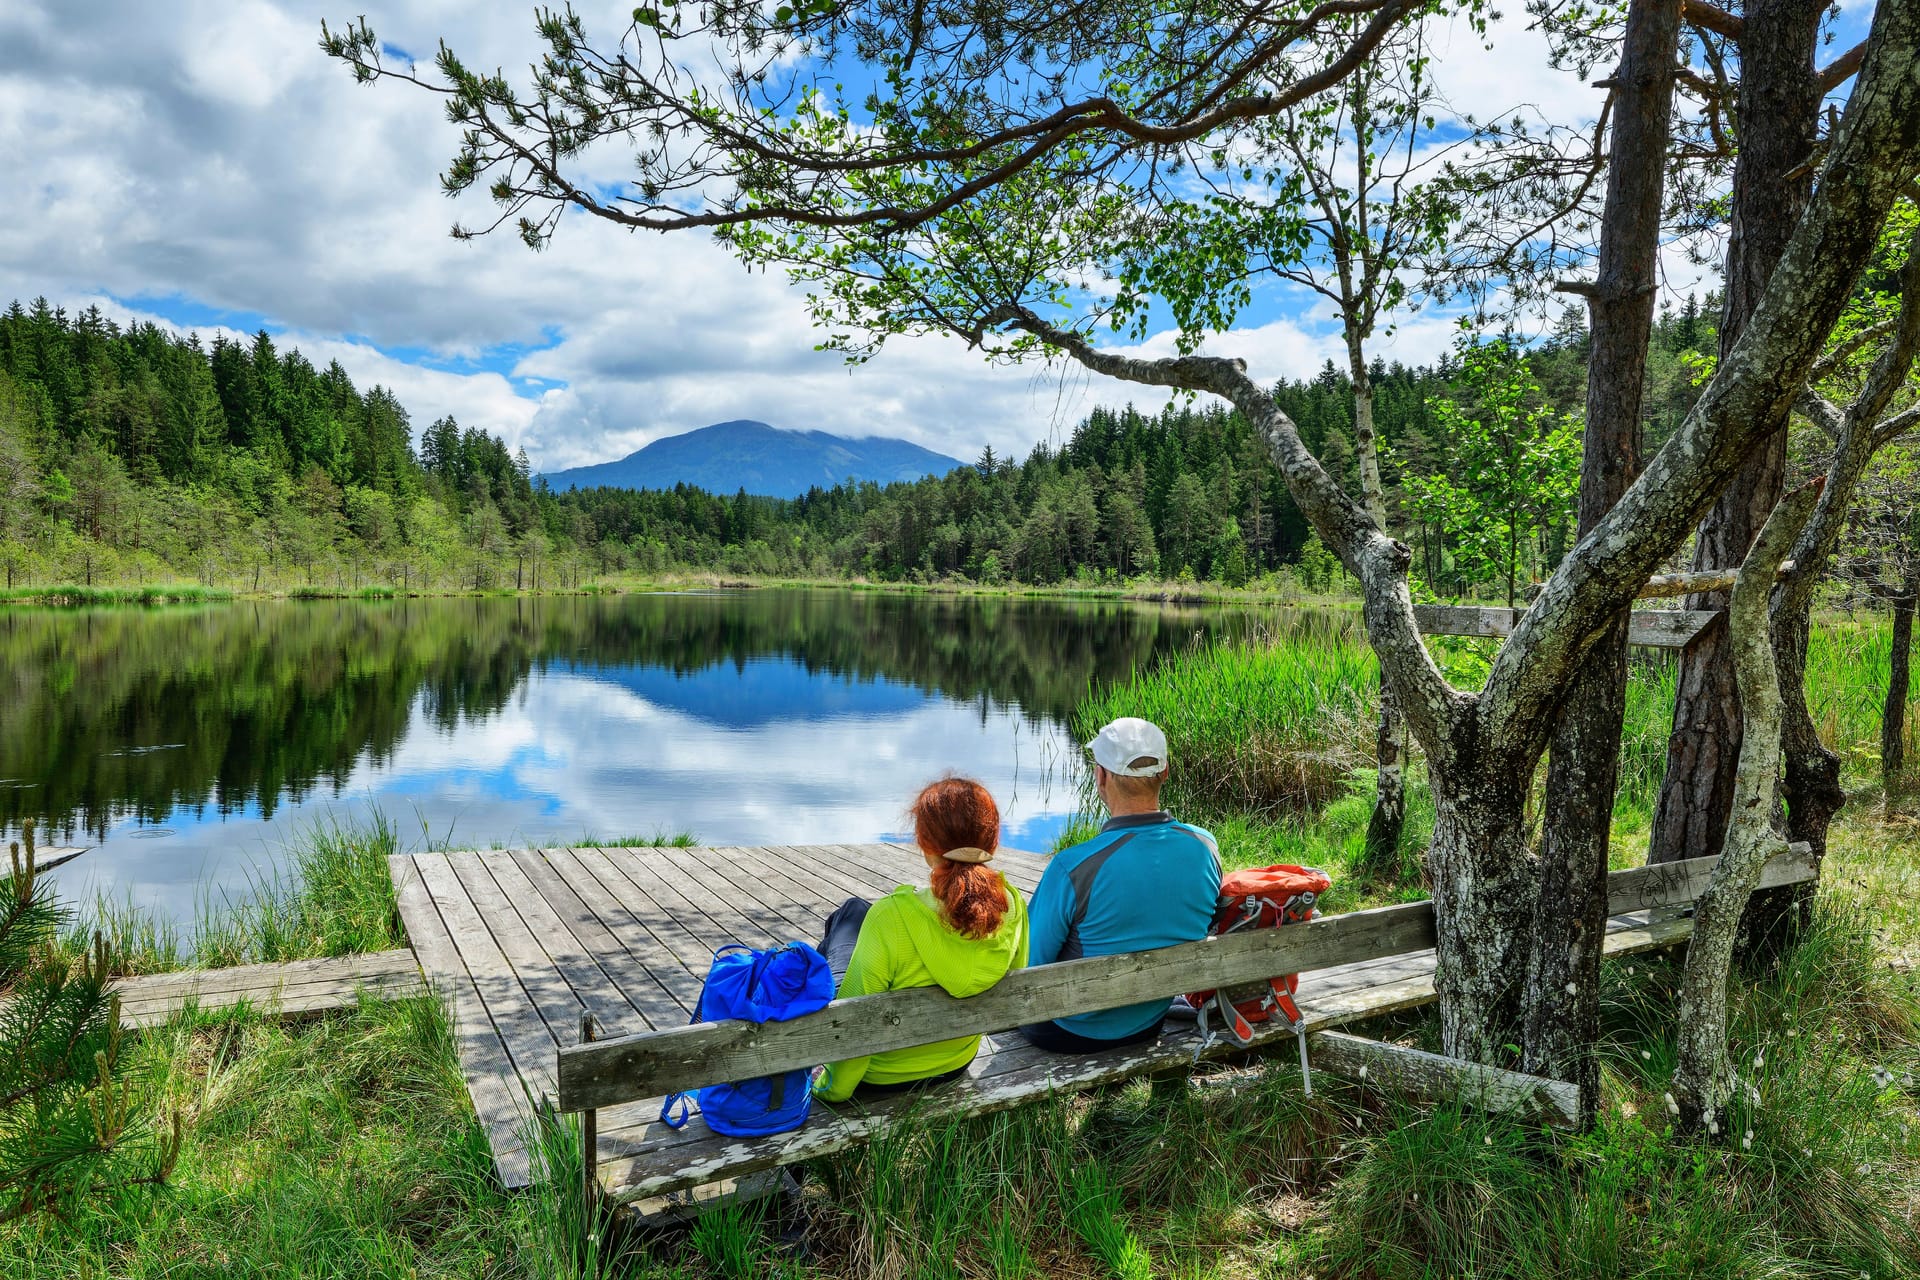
{"type": "Point", "coordinates": [202, 164]}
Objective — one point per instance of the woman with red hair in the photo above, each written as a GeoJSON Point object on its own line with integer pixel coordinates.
{"type": "Point", "coordinates": [963, 931]}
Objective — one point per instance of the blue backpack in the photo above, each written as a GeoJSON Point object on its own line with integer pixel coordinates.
{"type": "Point", "coordinates": [756, 986]}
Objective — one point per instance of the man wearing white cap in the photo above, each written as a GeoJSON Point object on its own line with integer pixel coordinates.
{"type": "Point", "coordinates": [1145, 881]}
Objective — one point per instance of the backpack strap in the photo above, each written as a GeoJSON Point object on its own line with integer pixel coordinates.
{"type": "Point", "coordinates": [678, 1119]}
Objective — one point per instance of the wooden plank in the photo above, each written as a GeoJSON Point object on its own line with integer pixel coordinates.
{"type": "Point", "coordinates": [47, 857]}
{"type": "Point", "coordinates": [552, 996]}
{"type": "Point", "coordinates": [704, 923]}
{"type": "Point", "coordinates": [483, 1056]}
{"type": "Point", "coordinates": [870, 871]}
{"type": "Point", "coordinates": [1465, 620]}
{"type": "Point", "coordinates": [753, 910]}
{"type": "Point", "coordinates": [1668, 628]}
{"type": "Point", "coordinates": [1654, 628]}
{"type": "Point", "coordinates": [507, 1004]}
{"type": "Point", "coordinates": [305, 987]}
{"type": "Point", "coordinates": [1672, 882]}
{"type": "Point", "coordinates": [264, 979]}
{"type": "Point", "coordinates": [799, 896]}
{"type": "Point", "coordinates": [591, 985]}
{"type": "Point", "coordinates": [1431, 1077]}
{"type": "Point", "coordinates": [635, 1067]}
{"type": "Point", "coordinates": [654, 998]}
{"type": "Point", "coordinates": [650, 934]}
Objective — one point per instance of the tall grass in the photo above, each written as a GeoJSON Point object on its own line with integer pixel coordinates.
{"type": "Point", "coordinates": [1815, 1174]}
{"type": "Point", "coordinates": [343, 1146]}
{"type": "Point", "coordinates": [75, 594]}
{"type": "Point", "coordinates": [1269, 727]}
{"type": "Point", "coordinates": [334, 897]}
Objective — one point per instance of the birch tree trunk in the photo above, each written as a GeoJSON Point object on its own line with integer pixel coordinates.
{"type": "Point", "coordinates": [1381, 854]}
{"type": "Point", "coordinates": [1704, 1079]}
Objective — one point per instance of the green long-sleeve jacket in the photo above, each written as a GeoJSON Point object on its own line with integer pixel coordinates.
{"type": "Point", "coordinates": [906, 942]}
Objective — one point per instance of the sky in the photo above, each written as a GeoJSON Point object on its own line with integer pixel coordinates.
{"type": "Point", "coordinates": [201, 164]}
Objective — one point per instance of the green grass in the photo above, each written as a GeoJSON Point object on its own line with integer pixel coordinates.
{"type": "Point", "coordinates": [343, 593]}
{"type": "Point", "coordinates": [1266, 728]}
{"type": "Point", "coordinates": [343, 1147]}
{"type": "Point", "coordinates": [334, 897]}
{"type": "Point", "coordinates": [73, 595]}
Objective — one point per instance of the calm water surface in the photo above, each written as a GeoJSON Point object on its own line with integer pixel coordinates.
{"type": "Point", "coordinates": [189, 745]}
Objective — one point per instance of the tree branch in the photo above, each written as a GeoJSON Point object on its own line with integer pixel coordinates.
{"type": "Point", "coordinates": [1837, 72]}
{"type": "Point", "coordinates": [1379, 562]}
{"type": "Point", "coordinates": [1711, 17]}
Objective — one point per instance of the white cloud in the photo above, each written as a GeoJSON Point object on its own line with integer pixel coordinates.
{"type": "Point", "coordinates": [216, 155]}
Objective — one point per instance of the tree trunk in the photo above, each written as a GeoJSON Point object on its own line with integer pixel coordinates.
{"type": "Point", "coordinates": [1570, 912]}
{"type": "Point", "coordinates": [1779, 102]}
{"type": "Point", "coordinates": [1893, 715]}
{"type": "Point", "coordinates": [1483, 894]}
{"type": "Point", "coordinates": [1381, 856]}
{"type": "Point", "coordinates": [1703, 1079]}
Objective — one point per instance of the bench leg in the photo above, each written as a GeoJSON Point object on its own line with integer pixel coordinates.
{"type": "Point", "coordinates": [589, 1143]}
{"type": "Point", "coordinates": [589, 1160]}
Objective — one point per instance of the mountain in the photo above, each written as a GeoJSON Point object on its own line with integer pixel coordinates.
{"type": "Point", "coordinates": [729, 456]}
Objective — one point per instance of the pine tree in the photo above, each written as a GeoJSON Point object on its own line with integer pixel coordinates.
{"type": "Point", "coordinates": [71, 1123]}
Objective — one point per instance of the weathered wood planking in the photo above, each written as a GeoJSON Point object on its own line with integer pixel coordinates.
{"type": "Point", "coordinates": [298, 986]}
{"type": "Point", "coordinates": [1654, 628]}
{"type": "Point", "coordinates": [521, 942]}
{"type": "Point", "coordinates": [492, 1084]}
{"type": "Point", "coordinates": [625, 1069]}
{"type": "Point", "coordinates": [1415, 1073]}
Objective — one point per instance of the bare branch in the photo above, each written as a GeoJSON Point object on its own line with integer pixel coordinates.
{"type": "Point", "coordinates": [1825, 414]}
{"type": "Point", "coordinates": [1379, 562]}
{"type": "Point", "coordinates": [1711, 17]}
{"type": "Point", "coordinates": [1841, 69]}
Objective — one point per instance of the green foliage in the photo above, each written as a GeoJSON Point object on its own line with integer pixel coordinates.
{"type": "Point", "coordinates": [1505, 499]}
{"type": "Point", "coordinates": [74, 1122]}
{"type": "Point", "coordinates": [296, 481]}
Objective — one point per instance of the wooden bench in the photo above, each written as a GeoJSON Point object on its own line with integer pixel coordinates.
{"type": "Point", "coordinates": [1357, 965]}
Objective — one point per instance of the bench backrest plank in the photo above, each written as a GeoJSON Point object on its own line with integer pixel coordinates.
{"type": "Point", "coordinates": [1656, 628]}
{"type": "Point", "coordinates": [629, 1068]}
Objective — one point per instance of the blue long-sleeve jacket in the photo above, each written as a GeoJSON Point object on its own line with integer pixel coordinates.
{"type": "Point", "coordinates": [1145, 881]}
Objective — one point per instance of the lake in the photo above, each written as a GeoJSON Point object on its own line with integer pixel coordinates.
{"type": "Point", "coordinates": [190, 745]}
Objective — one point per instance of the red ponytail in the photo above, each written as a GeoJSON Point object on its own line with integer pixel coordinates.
{"type": "Point", "coordinates": [958, 813]}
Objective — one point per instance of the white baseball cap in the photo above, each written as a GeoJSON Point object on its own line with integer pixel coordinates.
{"type": "Point", "coordinates": [1131, 747]}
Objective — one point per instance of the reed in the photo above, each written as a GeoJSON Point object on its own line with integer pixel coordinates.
{"type": "Point", "coordinates": [1266, 728]}
{"type": "Point", "coordinates": [75, 595]}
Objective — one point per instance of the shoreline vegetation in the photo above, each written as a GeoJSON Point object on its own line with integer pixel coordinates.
{"type": "Point", "coordinates": [345, 1145]}
{"type": "Point", "coordinates": [1276, 588]}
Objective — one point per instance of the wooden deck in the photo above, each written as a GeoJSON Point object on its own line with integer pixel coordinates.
{"type": "Point", "coordinates": [522, 942]}
{"type": "Point", "coordinates": [283, 990]}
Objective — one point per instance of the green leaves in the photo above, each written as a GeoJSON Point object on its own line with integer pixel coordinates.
{"type": "Point", "coordinates": [1510, 473]}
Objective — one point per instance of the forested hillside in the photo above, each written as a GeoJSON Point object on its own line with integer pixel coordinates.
{"type": "Point", "coordinates": [134, 455]}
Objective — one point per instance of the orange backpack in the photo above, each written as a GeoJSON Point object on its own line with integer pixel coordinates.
{"type": "Point", "coordinates": [1261, 898]}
